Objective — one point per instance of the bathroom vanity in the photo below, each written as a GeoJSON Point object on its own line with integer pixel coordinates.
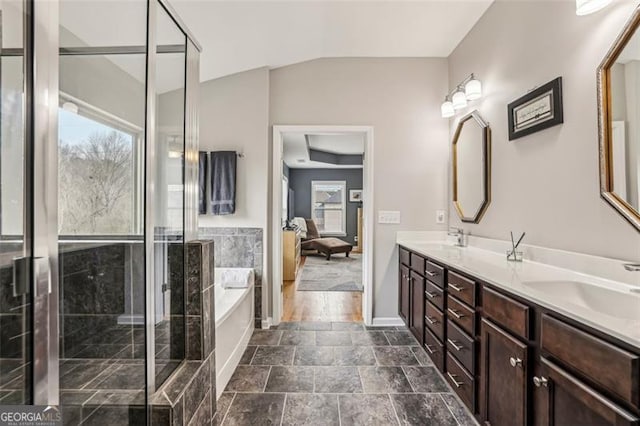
{"type": "Point", "coordinates": [523, 343]}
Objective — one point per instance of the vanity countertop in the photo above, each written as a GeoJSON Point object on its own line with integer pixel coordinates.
{"type": "Point", "coordinates": [524, 278]}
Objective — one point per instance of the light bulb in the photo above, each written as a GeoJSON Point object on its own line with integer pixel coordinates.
{"type": "Point", "coordinates": [447, 109]}
{"type": "Point", "coordinates": [586, 7]}
{"type": "Point", "coordinates": [459, 100]}
{"type": "Point", "coordinates": [473, 89]}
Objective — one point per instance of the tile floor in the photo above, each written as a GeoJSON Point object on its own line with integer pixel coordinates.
{"type": "Point", "coordinates": [324, 373]}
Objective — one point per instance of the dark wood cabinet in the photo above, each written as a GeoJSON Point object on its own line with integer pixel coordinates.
{"type": "Point", "coordinates": [417, 307]}
{"type": "Point", "coordinates": [404, 297]}
{"type": "Point", "coordinates": [511, 361]}
{"type": "Point", "coordinates": [504, 377]}
{"type": "Point", "coordinates": [560, 399]}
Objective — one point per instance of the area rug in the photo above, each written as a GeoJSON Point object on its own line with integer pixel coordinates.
{"type": "Point", "coordinates": [338, 274]}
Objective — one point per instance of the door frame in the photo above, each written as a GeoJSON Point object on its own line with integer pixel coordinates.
{"type": "Point", "coordinates": [276, 213]}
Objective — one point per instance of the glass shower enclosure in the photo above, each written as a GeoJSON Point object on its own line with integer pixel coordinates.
{"type": "Point", "coordinates": [98, 160]}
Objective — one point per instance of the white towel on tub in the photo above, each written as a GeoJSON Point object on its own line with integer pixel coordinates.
{"type": "Point", "coordinates": [234, 277]}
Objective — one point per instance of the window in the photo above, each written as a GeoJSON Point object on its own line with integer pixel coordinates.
{"type": "Point", "coordinates": [99, 178]}
{"type": "Point", "coordinates": [328, 205]}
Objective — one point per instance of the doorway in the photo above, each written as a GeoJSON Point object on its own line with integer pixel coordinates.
{"type": "Point", "coordinates": [322, 229]}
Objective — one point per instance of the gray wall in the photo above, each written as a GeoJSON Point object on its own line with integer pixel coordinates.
{"type": "Point", "coordinates": [556, 198]}
{"type": "Point", "coordinates": [300, 182]}
{"type": "Point", "coordinates": [400, 98]}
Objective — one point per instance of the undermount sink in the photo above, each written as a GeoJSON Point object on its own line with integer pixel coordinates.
{"type": "Point", "coordinates": [614, 303]}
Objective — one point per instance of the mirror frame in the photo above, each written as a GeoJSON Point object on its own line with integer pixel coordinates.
{"type": "Point", "coordinates": [486, 160]}
{"type": "Point", "coordinates": [605, 126]}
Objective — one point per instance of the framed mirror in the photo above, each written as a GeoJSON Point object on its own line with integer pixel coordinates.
{"type": "Point", "coordinates": [472, 167]}
{"type": "Point", "coordinates": [619, 123]}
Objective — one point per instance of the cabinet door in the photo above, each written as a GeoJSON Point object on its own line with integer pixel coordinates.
{"type": "Point", "coordinates": [563, 400]}
{"type": "Point", "coordinates": [404, 294]}
{"type": "Point", "coordinates": [504, 377]}
{"type": "Point", "coordinates": [417, 306]}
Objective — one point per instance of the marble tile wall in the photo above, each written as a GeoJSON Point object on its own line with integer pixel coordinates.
{"type": "Point", "coordinates": [188, 397]}
{"type": "Point", "coordinates": [239, 248]}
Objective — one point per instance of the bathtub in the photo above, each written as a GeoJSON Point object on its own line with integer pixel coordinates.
{"type": "Point", "coordinates": [234, 316]}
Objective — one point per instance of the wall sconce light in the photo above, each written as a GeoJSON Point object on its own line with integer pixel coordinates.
{"type": "Point", "coordinates": [447, 108]}
{"type": "Point", "coordinates": [469, 89]}
{"type": "Point", "coordinates": [587, 7]}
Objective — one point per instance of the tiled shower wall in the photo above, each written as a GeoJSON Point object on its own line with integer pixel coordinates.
{"type": "Point", "coordinates": [239, 248]}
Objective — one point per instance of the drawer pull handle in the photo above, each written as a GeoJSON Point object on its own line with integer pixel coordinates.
{"type": "Point", "coordinates": [453, 379]}
{"type": "Point", "coordinates": [431, 274]}
{"type": "Point", "coordinates": [431, 295]}
{"type": "Point", "coordinates": [455, 345]}
{"type": "Point", "coordinates": [455, 314]}
{"type": "Point", "coordinates": [456, 288]}
{"type": "Point", "coordinates": [515, 362]}
{"type": "Point", "coordinates": [431, 321]}
{"type": "Point", "coordinates": [428, 348]}
{"type": "Point", "coordinates": [540, 381]}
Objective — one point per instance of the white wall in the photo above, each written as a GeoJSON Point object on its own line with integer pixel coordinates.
{"type": "Point", "coordinates": [401, 99]}
{"type": "Point", "coordinates": [546, 184]}
{"type": "Point", "coordinates": [234, 115]}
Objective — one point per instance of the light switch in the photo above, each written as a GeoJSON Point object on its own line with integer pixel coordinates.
{"type": "Point", "coordinates": [386, 216]}
{"type": "Point", "coordinates": [440, 216]}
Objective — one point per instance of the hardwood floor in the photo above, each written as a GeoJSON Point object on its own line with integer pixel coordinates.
{"type": "Point", "coordinates": [320, 305]}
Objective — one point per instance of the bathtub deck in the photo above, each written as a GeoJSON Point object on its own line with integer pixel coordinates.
{"type": "Point", "coordinates": [320, 305]}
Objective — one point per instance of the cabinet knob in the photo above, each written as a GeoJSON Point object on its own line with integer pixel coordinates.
{"type": "Point", "coordinates": [453, 380]}
{"type": "Point", "coordinates": [455, 287]}
{"type": "Point", "coordinates": [455, 313]}
{"type": "Point", "coordinates": [540, 381]}
{"type": "Point", "coordinates": [430, 295]}
{"type": "Point", "coordinates": [431, 274]}
{"type": "Point", "coordinates": [515, 362]}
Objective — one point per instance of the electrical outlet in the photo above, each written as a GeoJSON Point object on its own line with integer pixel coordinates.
{"type": "Point", "coordinates": [440, 216]}
{"type": "Point", "coordinates": [390, 217]}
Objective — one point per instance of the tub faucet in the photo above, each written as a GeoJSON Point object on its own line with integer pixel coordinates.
{"type": "Point", "coordinates": [632, 267]}
{"type": "Point", "coordinates": [460, 235]}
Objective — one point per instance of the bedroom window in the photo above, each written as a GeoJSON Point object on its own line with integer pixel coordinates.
{"type": "Point", "coordinates": [328, 205]}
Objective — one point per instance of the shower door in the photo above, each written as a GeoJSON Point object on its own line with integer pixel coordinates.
{"type": "Point", "coordinates": [28, 254]}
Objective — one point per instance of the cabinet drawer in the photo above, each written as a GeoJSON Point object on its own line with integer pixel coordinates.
{"type": "Point", "coordinates": [613, 368]}
{"type": "Point", "coordinates": [434, 319]}
{"type": "Point", "coordinates": [461, 382]}
{"type": "Point", "coordinates": [434, 294]}
{"type": "Point", "coordinates": [434, 349]}
{"type": "Point", "coordinates": [435, 274]}
{"type": "Point", "coordinates": [417, 263]}
{"type": "Point", "coordinates": [404, 256]}
{"type": "Point", "coordinates": [512, 315]}
{"type": "Point", "coordinates": [461, 315]}
{"type": "Point", "coordinates": [461, 346]}
{"type": "Point", "coordinates": [461, 287]}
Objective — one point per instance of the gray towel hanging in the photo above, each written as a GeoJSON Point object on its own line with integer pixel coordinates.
{"type": "Point", "coordinates": [203, 163]}
{"type": "Point", "coordinates": [223, 182]}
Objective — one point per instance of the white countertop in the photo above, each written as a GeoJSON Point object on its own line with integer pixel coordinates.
{"type": "Point", "coordinates": [493, 268]}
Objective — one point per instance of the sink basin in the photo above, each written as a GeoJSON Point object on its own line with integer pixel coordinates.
{"type": "Point", "coordinates": [614, 303]}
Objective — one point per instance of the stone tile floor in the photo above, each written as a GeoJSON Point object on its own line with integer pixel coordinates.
{"type": "Point", "coordinates": [305, 373]}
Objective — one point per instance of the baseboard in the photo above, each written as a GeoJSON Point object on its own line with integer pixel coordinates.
{"type": "Point", "coordinates": [387, 322]}
{"type": "Point", "coordinates": [266, 323]}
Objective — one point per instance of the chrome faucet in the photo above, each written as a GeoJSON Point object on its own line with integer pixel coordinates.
{"type": "Point", "coordinates": [460, 235]}
{"type": "Point", "coordinates": [632, 267]}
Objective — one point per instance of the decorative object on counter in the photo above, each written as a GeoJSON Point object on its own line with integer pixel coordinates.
{"type": "Point", "coordinates": [355, 195]}
{"type": "Point", "coordinates": [632, 267]}
{"type": "Point", "coordinates": [468, 89]}
{"type": "Point", "coordinates": [539, 109]}
{"type": "Point", "coordinates": [587, 7]}
{"type": "Point", "coordinates": [619, 139]}
{"type": "Point", "coordinates": [514, 255]}
{"type": "Point", "coordinates": [472, 167]}
{"type": "Point", "coordinates": [223, 182]}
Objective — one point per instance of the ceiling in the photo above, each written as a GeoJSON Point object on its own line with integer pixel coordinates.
{"type": "Point", "coordinates": [239, 35]}
{"type": "Point", "coordinates": [295, 148]}
{"type": "Point", "coordinates": [242, 35]}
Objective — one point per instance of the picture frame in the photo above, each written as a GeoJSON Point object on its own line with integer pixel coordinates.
{"type": "Point", "coordinates": [355, 195]}
{"type": "Point", "coordinates": [537, 110]}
